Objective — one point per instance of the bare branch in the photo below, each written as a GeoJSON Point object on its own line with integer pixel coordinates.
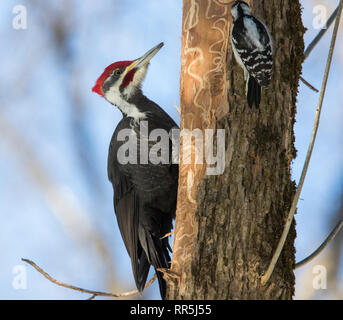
{"type": "Point", "coordinates": [289, 220]}
{"type": "Point", "coordinates": [309, 84]}
{"type": "Point", "coordinates": [314, 254]}
{"type": "Point", "coordinates": [92, 292]}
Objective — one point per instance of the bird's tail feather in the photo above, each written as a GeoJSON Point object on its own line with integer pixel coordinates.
{"type": "Point", "coordinates": [159, 259]}
{"type": "Point", "coordinates": [143, 271]}
{"type": "Point", "coordinates": [162, 284]}
{"type": "Point", "coordinates": [157, 255]}
{"type": "Point", "coordinates": [254, 93]}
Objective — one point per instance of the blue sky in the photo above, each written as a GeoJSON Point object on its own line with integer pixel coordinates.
{"type": "Point", "coordinates": [52, 216]}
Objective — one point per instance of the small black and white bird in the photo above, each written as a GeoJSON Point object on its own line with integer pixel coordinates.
{"type": "Point", "coordinates": [253, 49]}
{"type": "Point", "coordinates": [144, 192]}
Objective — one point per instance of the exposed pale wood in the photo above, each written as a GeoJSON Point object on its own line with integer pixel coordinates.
{"type": "Point", "coordinates": [205, 36]}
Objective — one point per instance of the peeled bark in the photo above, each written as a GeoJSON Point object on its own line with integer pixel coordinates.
{"type": "Point", "coordinates": [228, 226]}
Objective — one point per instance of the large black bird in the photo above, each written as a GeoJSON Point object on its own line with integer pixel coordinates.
{"type": "Point", "coordinates": [144, 191]}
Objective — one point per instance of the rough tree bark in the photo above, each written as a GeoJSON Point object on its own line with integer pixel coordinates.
{"type": "Point", "coordinates": [227, 226]}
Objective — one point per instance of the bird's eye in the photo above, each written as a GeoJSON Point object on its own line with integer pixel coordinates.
{"type": "Point", "coordinates": [117, 72]}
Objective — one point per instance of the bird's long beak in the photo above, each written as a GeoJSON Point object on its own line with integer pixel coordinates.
{"type": "Point", "coordinates": [145, 59]}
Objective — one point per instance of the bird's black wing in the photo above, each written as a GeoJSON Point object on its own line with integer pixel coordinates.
{"type": "Point", "coordinates": [127, 209]}
{"type": "Point", "coordinates": [127, 205]}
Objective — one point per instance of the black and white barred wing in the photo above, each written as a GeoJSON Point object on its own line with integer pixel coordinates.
{"type": "Point", "coordinates": [253, 49]}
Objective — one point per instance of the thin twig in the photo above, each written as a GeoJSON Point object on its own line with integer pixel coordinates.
{"type": "Point", "coordinates": [308, 84]}
{"type": "Point", "coordinates": [321, 33]}
{"type": "Point", "coordinates": [289, 220]}
{"type": "Point", "coordinates": [167, 235]}
{"type": "Point", "coordinates": [314, 254]}
{"type": "Point", "coordinates": [92, 292]}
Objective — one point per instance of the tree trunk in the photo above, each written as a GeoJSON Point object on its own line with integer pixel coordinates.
{"type": "Point", "coordinates": [228, 226]}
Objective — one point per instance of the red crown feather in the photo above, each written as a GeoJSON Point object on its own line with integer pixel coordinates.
{"type": "Point", "coordinates": [100, 82]}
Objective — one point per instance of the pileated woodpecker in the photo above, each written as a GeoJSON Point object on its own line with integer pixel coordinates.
{"type": "Point", "coordinates": [144, 193]}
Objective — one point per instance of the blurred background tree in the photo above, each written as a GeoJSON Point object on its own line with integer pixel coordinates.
{"type": "Point", "coordinates": [55, 200]}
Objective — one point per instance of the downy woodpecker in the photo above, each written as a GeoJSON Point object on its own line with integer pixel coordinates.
{"type": "Point", "coordinates": [253, 49]}
{"type": "Point", "coordinates": [144, 193]}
